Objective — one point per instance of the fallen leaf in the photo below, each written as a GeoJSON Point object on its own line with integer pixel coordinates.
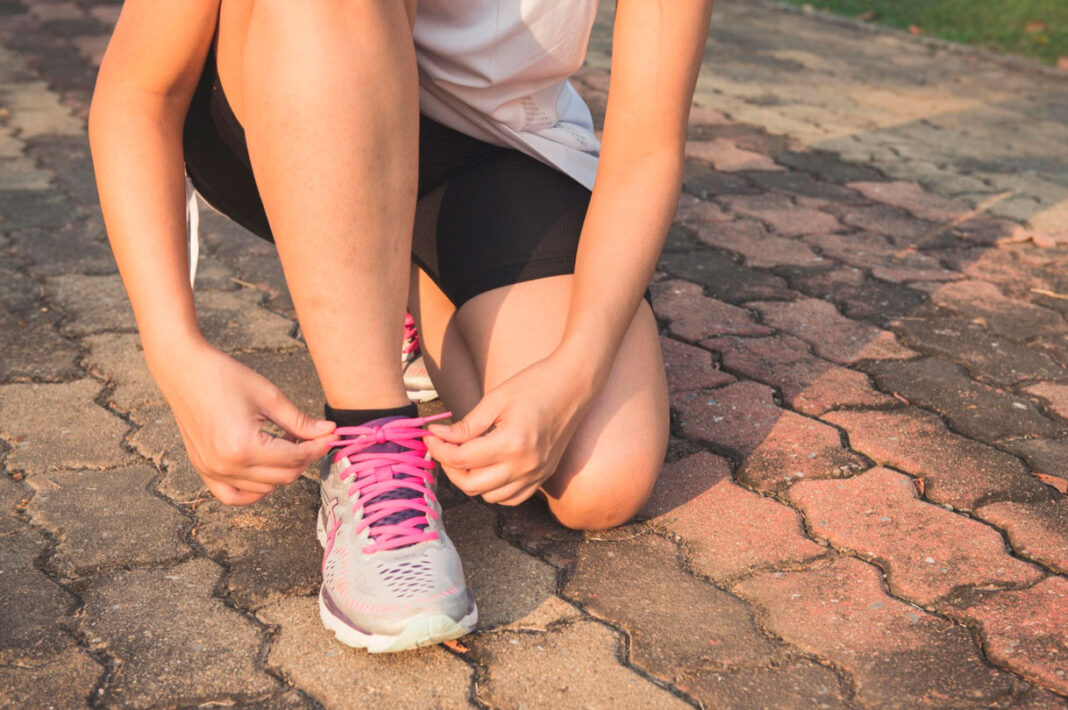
{"type": "Point", "coordinates": [920, 487]}
{"type": "Point", "coordinates": [1059, 483]}
{"type": "Point", "coordinates": [915, 30]}
{"type": "Point", "coordinates": [455, 645]}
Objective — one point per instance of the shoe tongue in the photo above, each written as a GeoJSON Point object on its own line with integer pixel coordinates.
{"type": "Point", "coordinates": [390, 447]}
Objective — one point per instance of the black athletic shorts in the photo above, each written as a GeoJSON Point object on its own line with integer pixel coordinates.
{"type": "Point", "coordinates": [486, 217]}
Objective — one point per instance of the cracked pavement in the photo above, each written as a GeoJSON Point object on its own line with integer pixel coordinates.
{"type": "Point", "coordinates": [863, 306]}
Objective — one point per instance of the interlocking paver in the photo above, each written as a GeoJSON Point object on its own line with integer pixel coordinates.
{"type": "Point", "coordinates": [692, 316]}
{"type": "Point", "coordinates": [689, 367]}
{"type": "Point", "coordinates": [55, 426]}
{"type": "Point", "coordinates": [725, 156]}
{"type": "Point", "coordinates": [779, 446]}
{"type": "Point", "coordinates": [830, 334]}
{"type": "Point", "coordinates": [269, 547]}
{"type": "Point", "coordinates": [530, 584]}
{"type": "Point", "coordinates": [988, 357]}
{"type": "Point", "coordinates": [805, 188]}
{"type": "Point", "coordinates": [972, 408]}
{"type": "Point", "coordinates": [867, 250]}
{"type": "Point", "coordinates": [726, 529]}
{"type": "Point", "coordinates": [1038, 531]}
{"type": "Point", "coordinates": [69, 677]}
{"type": "Point", "coordinates": [92, 304]}
{"type": "Point", "coordinates": [956, 471]}
{"type": "Point", "coordinates": [723, 278]}
{"type": "Point", "coordinates": [234, 320]}
{"type": "Point", "coordinates": [927, 551]}
{"type": "Point", "coordinates": [31, 349]}
{"type": "Point", "coordinates": [18, 293]}
{"type": "Point", "coordinates": [12, 499]}
{"type": "Point", "coordinates": [756, 244]}
{"type": "Point", "coordinates": [574, 664]}
{"type": "Point", "coordinates": [1013, 318]}
{"type": "Point", "coordinates": [120, 361]}
{"type": "Point", "coordinates": [174, 643]}
{"type": "Point", "coordinates": [912, 197]}
{"type": "Point", "coordinates": [32, 606]}
{"type": "Point", "coordinates": [302, 649]}
{"type": "Point", "coordinates": [159, 440]}
{"type": "Point", "coordinates": [1044, 457]}
{"type": "Point", "coordinates": [1025, 630]}
{"type": "Point", "coordinates": [782, 215]}
{"type": "Point", "coordinates": [785, 362]}
{"type": "Point", "coordinates": [681, 629]}
{"type": "Point", "coordinates": [71, 248]}
{"type": "Point", "coordinates": [840, 388]}
{"type": "Point", "coordinates": [105, 518]}
{"type": "Point", "coordinates": [898, 655]}
{"type": "Point", "coordinates": [856, 294]}
{"type": "Point", "coordinates": [702, 180]}
{"type": "Point", "coordinates": [1056, 397]}
{"type": "Point", "coordinates": [897, 225]}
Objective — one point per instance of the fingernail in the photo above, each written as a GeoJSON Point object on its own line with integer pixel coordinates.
{"type": "Point", "coordinates": [437, 428]}
{"type": "Point", "coordinates": [324, 425]}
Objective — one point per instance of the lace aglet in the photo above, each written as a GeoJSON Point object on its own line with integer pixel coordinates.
{"type": "Point", "coordinates": [433, 418]}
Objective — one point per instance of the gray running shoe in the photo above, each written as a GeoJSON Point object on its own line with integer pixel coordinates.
{"type": "Point", "coordinates": [392, 579]}
{"type": "Point", "coordinates": [416, 378]}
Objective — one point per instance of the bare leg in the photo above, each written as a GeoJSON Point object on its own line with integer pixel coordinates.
{"type": "Point", "coordinates": [328, 93]}
{"type": "Point", "coordinates": [615, 455]}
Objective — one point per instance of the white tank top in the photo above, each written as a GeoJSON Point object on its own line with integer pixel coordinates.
{"type": "Point", "coordinates": [497, 70]}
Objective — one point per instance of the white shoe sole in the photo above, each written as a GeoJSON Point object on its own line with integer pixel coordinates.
{"type": "Point", "coordinates": [422, 395]}
{"type": "Point", "coordinates": [422, 630]}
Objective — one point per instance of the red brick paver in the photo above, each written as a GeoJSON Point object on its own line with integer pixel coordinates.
{"type": "Point", "coordinates": [926, 550]}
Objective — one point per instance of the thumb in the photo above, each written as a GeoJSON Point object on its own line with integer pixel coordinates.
{"type": "Point", "coordinates": [475, 424]}
{"type": "Point", "coordinates": [292, 419]}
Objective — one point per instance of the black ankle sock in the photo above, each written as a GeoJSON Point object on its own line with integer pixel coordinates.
{"type": "Point", "coordinates": [358, 417]}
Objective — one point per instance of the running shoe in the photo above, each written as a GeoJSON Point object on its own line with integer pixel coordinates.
{"type": "Point", "coordinates": [416, 379]}
{"type": "Point", "coordinates": [392, 579]}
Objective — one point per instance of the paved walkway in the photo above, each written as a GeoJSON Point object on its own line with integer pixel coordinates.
{"type": "Point", "coordinates": [864, 504]}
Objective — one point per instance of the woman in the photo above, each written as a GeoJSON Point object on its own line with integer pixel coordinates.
{"type": "Point", "coordinates": [302, 121]}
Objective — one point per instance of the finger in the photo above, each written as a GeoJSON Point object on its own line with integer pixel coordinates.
{"type": "Point", "coordinates": [522, 496]}
{"type": "Point", "coordinates": [269, 476]}
{"type": "Point", "coordinates": [506, 490]}
{"type": "Point", "coordinates": [298, 424]}
{"type": "Point", "coordinates": [228, 495]}
{"type": "Point", "coordinates": [477, 421]}
{"type": "Point", "coordinates": [483, 480]}
{"type": "Point", "coordinates": [275, 452]}
{"type": "Point", "coordinates": [496, 447]}
{"type": "Point", "coordinates": [443, 452]}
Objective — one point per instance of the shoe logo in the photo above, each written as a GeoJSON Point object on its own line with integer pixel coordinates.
{"type": "Point", "coordinates": [332, 524]}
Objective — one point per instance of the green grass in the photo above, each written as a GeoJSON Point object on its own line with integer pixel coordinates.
{"type": "Point", "coordinates": [1033, 28]}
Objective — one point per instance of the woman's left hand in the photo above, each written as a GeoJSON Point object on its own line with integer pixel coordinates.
{"type": "Point", "coordinates": [513, 439]}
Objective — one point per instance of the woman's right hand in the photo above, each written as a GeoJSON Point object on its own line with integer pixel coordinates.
{"type": "Point", "coordinates": [220, 406]}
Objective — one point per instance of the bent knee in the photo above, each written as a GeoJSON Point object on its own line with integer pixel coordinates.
{"type": "Point", "coordinates": [595, 502]}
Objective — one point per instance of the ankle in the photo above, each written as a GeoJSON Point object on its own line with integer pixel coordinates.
{"type": "Point", "coordinates": [357, 417]}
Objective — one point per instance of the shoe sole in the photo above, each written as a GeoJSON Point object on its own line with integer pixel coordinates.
{"type": "Point", "coordinates": [422, 395]}
{"type": "Point", "coordinates": [422, 630]}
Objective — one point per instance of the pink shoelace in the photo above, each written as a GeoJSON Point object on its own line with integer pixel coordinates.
{"type": "Point", "coordinates": [374, 473]}
{"type": "Point", "coordinates": [411, 336]}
